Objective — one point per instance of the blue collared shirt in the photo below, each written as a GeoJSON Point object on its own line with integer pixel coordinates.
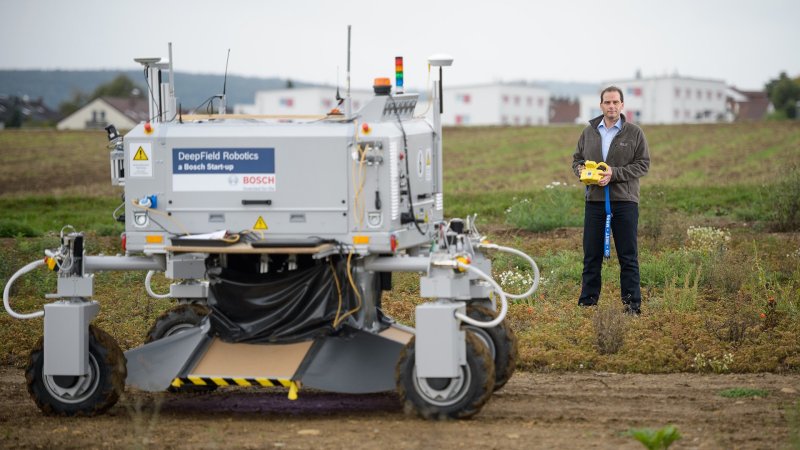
{"type": "Point", "coordinates": [607, 135]}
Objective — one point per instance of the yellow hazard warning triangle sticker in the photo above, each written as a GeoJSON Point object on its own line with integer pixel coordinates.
{"type": "Point", "coordinates": [260, 224]}
{"type": "Point", "coordinates": [140, 155]}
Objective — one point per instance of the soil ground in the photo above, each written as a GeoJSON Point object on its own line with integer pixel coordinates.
{"type": "Point", "coordinates": [535, 410]}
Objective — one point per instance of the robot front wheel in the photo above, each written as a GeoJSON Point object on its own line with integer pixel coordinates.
{"type": "Point", "coordinates": [460, 397]}
{"type": "Point", "coordinates": [86, 395]}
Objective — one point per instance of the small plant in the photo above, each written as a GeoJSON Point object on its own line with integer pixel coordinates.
{"type": "Point", "coordinates": [515, 282]}
{"type": "Point", "coordinates": [743, 392]}
{"type": "Point", "coordinates": [707, 239]}
{"type": "Point", "coordinates": [659, 439]}
{"type": "Point", "coordinates": [609, 330]}
{"type": "Point", "coordinates": [713, 364]}
{"type": "Point", "coordinates": [787, 201]}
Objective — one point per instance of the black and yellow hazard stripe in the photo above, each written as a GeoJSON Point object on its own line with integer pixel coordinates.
{"type": "Point", "coordinates": [224, 381]}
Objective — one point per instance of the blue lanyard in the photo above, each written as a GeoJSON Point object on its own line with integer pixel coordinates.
{"type": "Point", "coordinates": [607, 241]}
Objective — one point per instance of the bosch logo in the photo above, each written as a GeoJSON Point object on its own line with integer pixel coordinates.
{"type": "Point", "coordinates": [258, 180]}
{"type": "Point", "coordinates": [233, 180]}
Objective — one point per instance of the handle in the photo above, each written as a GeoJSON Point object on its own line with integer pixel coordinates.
{"type": "Point", "coordinates": [257, 202]}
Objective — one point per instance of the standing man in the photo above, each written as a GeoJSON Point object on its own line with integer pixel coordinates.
{"type": "Point", "coordinates": [623, 147]}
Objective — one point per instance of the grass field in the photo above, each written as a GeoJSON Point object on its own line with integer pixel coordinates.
{"type": "Point", "coordinates": [719, 243]}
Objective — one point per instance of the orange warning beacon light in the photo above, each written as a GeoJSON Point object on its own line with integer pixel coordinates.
{"type": "Point", "coordinates": [382, 86]}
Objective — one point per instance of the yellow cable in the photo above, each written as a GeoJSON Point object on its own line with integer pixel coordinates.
{"type": "Point", "coordinates": [362, 177]}
{"type": "Point", "coordinates": [430, 95]}
{"type": "Point", "coordinates": [355, 289]}
{"type": "Point", "coordinates": [339, 291]}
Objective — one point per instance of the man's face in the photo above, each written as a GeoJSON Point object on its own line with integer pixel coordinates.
{"type": "Point", "coordinates": [611, 106]}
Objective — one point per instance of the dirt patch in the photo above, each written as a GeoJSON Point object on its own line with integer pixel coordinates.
{"type": "Point", "coordinates": [572, 410]}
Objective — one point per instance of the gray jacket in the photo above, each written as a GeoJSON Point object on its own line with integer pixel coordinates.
{"type": "Point", "coordinates": [628, 158]}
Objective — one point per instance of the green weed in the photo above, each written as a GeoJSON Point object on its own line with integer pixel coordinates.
{"type": "Point", "coordinates": [659, 439]}
{"type": "Point", "coordinates": [743, 392]}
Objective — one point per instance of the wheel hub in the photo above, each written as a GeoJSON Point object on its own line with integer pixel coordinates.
{"type": "Point", "coordinates": [74, 389]}
{"type": "Point", "coordinates": [443, 391]}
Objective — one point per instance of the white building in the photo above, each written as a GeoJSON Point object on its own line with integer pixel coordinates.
{"type": "Point", "coordinates": [312, 100]}
{"type": "Point", "coordinates": [124, 113]}
{"type": "Point", "coordinates": [665, 100]}
{"type": "Point", "coordinates": [496, 104]}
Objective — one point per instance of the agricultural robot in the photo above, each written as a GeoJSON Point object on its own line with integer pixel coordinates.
{"type": "Point", "coordinates": [279, 235]}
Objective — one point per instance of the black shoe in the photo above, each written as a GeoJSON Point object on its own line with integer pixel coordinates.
{"type": "Point", "coordinates": [631, 307]}
{"type": "Point", "coordinates": [632, 310]}
{"type": "Point", "coordinates": [587, 301]}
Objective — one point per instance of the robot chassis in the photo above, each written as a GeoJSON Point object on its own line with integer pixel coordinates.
{"type": "Point", "coordinates": [189, 175]}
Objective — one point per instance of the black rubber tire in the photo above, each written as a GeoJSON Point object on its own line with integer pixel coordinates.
{"type": "Point", "coordinates": [503, 345]}
{"type": "Point", "coordinates": [470, 397]}
{"type": "Point", "coordinates": [103, 387]}
{"type": "Point", "coordinates": [175, 320]}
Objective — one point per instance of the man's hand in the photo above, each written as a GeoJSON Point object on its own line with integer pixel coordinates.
{"type": "Point", "coordinates": [606, 177]}
{"type": "Point", "coordinates": [580, 169]}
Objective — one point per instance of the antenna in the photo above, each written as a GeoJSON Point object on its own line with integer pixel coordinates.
{"type": "Point", "coordinates": [222, 107]}
{"type": "Point", "coordinates": [348, 108]}
{"type": "Point", "coordinates": [339, 98]}
{"type": "Point", "coordinates": [171, 76]}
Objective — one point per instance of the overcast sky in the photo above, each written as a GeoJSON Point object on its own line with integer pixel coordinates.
{"type": "Point", "coordinates": [743, 42]}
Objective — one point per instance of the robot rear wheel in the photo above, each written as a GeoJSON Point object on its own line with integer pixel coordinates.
{"type": "Point", "coordinates": [174, 321]}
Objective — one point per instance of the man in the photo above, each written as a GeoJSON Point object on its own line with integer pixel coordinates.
{"type": "Point", "coordinates": [623, 147]}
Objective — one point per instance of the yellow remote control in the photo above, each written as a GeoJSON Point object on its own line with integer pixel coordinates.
{"type": "Point", "coordinates": [591, 174]}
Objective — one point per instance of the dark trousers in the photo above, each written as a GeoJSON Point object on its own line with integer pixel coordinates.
{"type": "Point", "coordinates": [624, 223]}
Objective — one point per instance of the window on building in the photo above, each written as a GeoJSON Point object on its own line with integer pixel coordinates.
{"type": "Point", "coordinates": [708, 94]}
{"type": "Point", "coordinates": [505, 99]}
{"type": "Point", "coordinates": [504, 120]}
{"type": "Point", "coordinates": [676, 114]}
{"type": "Point", "coordinates": [688, 93]}
{"type": "Point", "coordinates": [687, 114]}
{"type": "Point", "coordinates": [699, 94]}
{"type": "Point", "coordinates": [540, 102]}
{"type": "Point", "coordinates": [719, 95]}
{"type": "Point", "coordinates": [516, 120]}
{"type": "Point", "coordinates": [677, 92]}
{"type": "Point", "coordinates": [102, 116]}
{"type": "Point", "coordinates": [516, 99]}
{"type": "Point", "coordinates": [529, 101]}
{"type": "Point", "coordinates": [528, 120]}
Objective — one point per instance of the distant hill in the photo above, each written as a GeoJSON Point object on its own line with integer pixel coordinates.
{"type": "Point", "coordinates": [56, 86]}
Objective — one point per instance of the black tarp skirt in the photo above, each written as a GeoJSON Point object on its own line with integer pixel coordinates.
{"type": "Point", "coordinates": [282, 307]}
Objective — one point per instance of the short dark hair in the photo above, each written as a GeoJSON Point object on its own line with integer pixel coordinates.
{"type": "Point", "coordinates": [612, 89]}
